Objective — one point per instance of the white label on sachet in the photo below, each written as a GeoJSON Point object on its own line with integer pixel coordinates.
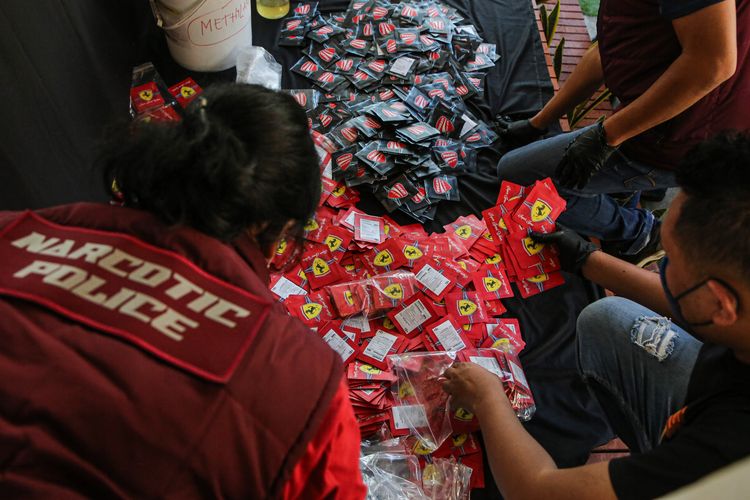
{"type": "Point", "coordinates": [369, 230]}
{"type": "Point", "coordinates": [338, 344]}
{"type": "Point", "coordinates": [432, 279]}
{"type": "Point", "coordinates": [413, 316]}
{"type": "Point", "coordinates": [380, 345]}
{"type": "Point", "coordinates": [448, 336]}
{"type": "Point", "coordinates": [489, 364]}
{"type": "Point", "coordinates": [285, 287]}
{"type": "Point", "coordinates": [409, 416]}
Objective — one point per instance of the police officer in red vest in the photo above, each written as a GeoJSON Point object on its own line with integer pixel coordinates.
{"type": "Point", "coordinates": [143, 355]}
{"type": "Point", "coordinates": [679, 69]}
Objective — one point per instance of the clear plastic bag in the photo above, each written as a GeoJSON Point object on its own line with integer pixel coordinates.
{"type": "Point", "coordinates": [421, 405]}
{"type": "Point", "coordinates": [372, 297]}
{"type": "Point", "coordinates": [256, 65]}
{"type": "Point", "coordinates": [506, 365]}
{"type": "Point", "coordinates": [392, 476]}
{"type": "Point", "coordinates": [446, 479]}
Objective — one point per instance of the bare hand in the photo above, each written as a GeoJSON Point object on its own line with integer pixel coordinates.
{"type": "Point", "coordinates": [470, 386]}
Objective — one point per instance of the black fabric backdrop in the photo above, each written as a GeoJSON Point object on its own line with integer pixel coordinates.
{"type": "Point", "coordinates": [65, 73]}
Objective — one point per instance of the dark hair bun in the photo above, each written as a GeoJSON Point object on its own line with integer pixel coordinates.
{"type": "Point", "coordinates": [242, 157]}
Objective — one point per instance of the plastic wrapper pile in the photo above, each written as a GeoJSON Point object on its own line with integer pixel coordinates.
{"type": "Point", "coordinates": [400, 305]}
{"type": "Point", "coordinates": [391, 472]}
{"type": "Point", "coordinates": [391, 85]}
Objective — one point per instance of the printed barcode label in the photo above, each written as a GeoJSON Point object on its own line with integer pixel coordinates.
{"type": "Point", "coordinates": [369, 230]}
{"type": "Point", "coordinates": [448, 336]}
{"type": "Point", "coordinates": [402, 65]}
{"type": "Point", "coordinates": [285, 287]}
{"type": "Point", "coordinates": [338, 344]}
{"type": "Point", "coordinates": [359, 322]}
{"type": "Point", "coordinates": [409, 417]}
{"type": "Point", "coordinates": [412, 316]}
{"type": "Point", "coordinates": [432, 279]}
{"type": "Point", "coordinates": [380, 345]}
{"type": "Point", "coordinates": [489, 364]}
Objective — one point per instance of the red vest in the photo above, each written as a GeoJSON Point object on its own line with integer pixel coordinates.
{"type": "Point", "coordinates": [219, 403]}
{"type": "Point", "coordinates": [637, 45]}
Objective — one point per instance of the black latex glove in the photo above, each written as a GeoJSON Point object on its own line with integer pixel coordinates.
{"type": "Point", "coordinates": [517, 133]}
{"type": "Point", "coordinates": [585, 156]}
{"type": "Point", "coordinates": [574, 249]}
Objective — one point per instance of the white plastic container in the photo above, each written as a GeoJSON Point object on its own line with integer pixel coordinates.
{"type": "Point", "coordinates": [204, 35]}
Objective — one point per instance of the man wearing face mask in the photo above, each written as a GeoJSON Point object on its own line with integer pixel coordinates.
{"type": "Point", "coordinates": [676, 392]}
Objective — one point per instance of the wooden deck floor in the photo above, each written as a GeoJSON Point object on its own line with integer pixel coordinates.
{"type": "Point", "coordinates": [571, 26]}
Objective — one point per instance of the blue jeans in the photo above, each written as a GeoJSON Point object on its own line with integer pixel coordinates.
{"type": "Point", "coordinates": [637, 364]}
{"type": "Point", "coordinates": [590, 211]}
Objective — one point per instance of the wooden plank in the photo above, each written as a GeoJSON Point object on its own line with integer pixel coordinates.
{"type": "Point", "coordinates": [571, 25]}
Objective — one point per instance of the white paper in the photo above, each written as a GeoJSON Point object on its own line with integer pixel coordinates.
{"type": "Point", "coordinates": [432, 279]}
{"type": "Point", "coordinates": [350, 219]}
{"type": "Point", "coordinates": [369, 230]}
{"type": "Point", "coordinates": [285, 287]}
{"type": "Point", "coordinates": [518, 374]}
{"type": "Point", "coordinates": [325, 160]}
{"type": "Point", "coordinates": [380, 345]}
{"type": "Point", "coordinates": [412, 316]}
{"type": "Point", "coordinates": [469, 125]}
{"type": "Point", "coordinates": [351, 335]}
{"type": "Point", "coordinates": [402, 65]}
{"type": "Point", "coordinates": [448, 336]}
{"type": "Point", "coordinates": [359, 322]}
{"type": "Point", "coordinates": [338, 344]}
{"type": "Point", "coordinates": [409, 416]}
{"type": "Point", "coordinates": [489, 364]}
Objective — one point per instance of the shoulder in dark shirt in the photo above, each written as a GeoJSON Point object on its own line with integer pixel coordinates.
{"type": "Point", "coordinates": [713, 435]}
{"type": "Point", "coordinates": [673, 9]}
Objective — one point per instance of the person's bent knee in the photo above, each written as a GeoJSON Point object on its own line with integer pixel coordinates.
{"type": "Point", "coordinates": [601, 329]}
{"type": "Point", "coordinates": [511, 165]}
{"type": "Point", "coordinates": [601, 316]}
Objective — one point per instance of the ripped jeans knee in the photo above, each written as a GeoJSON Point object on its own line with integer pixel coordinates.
{"type": "Point", "coordinates": [654, 335]}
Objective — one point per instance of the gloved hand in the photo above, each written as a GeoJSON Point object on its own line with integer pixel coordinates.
{"type": "Point", "coordinates": [517, 133]}
{"type": "Point", "coordinates": [574, 250]}
{"type": "Point", "coordinates": [585, 156]}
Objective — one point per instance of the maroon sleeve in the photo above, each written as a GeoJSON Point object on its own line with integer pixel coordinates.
{"type": "Point", "coordinates": [330, 466]}
{"type": "Point", "coordinates": [7, 217]}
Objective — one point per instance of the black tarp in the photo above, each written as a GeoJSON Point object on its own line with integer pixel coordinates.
{"type": "Point", "coordinates": [65, 73]}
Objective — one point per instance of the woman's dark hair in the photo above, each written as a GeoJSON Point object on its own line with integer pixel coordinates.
{"type": "Point", "coordinates": [242, 157]}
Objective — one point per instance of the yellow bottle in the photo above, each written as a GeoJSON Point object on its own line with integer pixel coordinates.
{"type": "Point", "coordinates": [273, 9]}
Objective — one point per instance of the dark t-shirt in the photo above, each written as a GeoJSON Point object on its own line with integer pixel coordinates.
{"type": "Point", "coordinates": [673, 9]}
{"type": "Point", "coordinates": [714, 433]}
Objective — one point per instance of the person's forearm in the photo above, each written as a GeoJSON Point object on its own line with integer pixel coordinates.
{"type": "Point", "coordinates": [586, 78]}
{"type": "Point", "coordinates": [684, 83]}
{"type": "Point", "coordinates": [515, 458]}
{"type": "Point", "coordinates": [626, 280]}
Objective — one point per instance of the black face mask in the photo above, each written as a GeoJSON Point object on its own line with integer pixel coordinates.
{"type": "Point", "coordinates": [674, 300]}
